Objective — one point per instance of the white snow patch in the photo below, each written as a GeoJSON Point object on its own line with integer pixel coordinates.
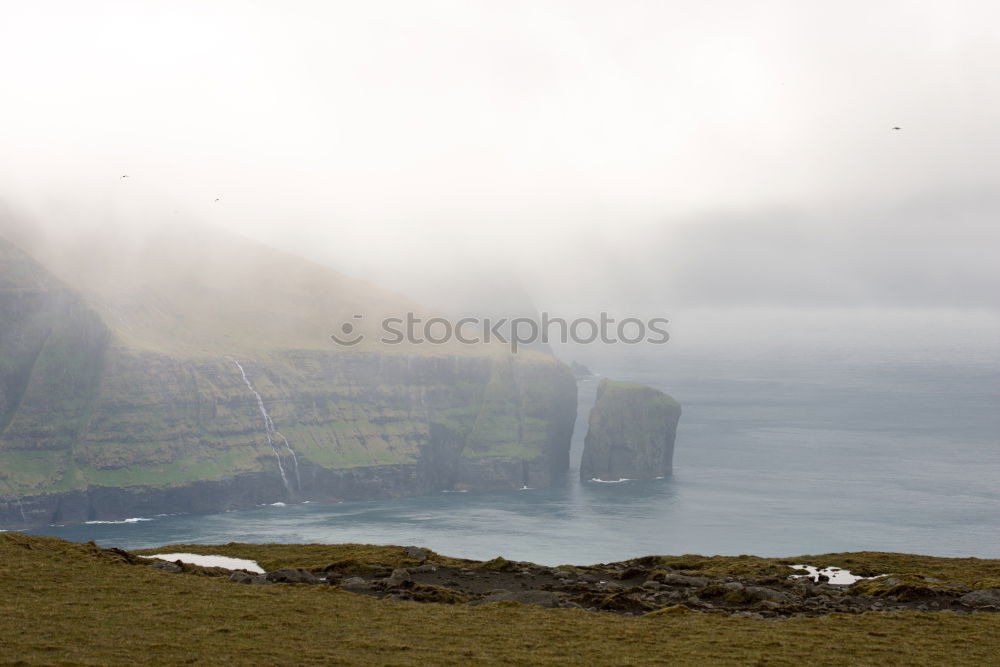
{"type": "Point", "coordinates": [836, 574]}
{"type": "Point", "coordinates": [212, 561]}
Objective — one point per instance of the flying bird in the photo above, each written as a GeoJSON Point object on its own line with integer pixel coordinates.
{"type": "Point", "coordinates": [217, 198]}
{"type": "Point", "coordinates": [896, 127]}
{"type": "Point", "coordinates": [124, 175]}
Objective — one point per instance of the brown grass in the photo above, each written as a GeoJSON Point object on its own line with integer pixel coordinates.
{"type": "Point", "coordinates": [69, 603]}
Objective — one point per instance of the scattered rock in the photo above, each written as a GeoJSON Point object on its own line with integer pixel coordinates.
{"type": "Point", "coordinates": [399, 577]}
{"type": "Point", "coordinates": [416, 553]}
{"type": "Point", "coordinates": [683, 580]}
{"type": "Point", "coordinates": [287, 575]}
{"type": "Point", "coordinates": [167, 566]}
{"type": "Point", "coordinates": [241, 577]}
{"type": "Point", "coordinates": [426, 567]}
{"type": "Point", "coordinates": [763, 593]}
{"type": "Point", "coordinates": [985, 597]}
{"type": "Point", "coordinates": [355, 584]}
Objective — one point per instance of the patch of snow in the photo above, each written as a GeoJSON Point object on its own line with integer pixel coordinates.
{"type": "Point", "coordinates": [212, 561]}
{"type": "Point", "coordinates": [836, 574]}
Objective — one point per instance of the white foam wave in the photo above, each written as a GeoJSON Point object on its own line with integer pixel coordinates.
{"type": "Point", "coordinates": [136, 519]}
{"type": "Point", "coordinates": [610, 481]}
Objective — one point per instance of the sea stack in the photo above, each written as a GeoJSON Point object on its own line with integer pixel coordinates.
{"type": "Point", "coordinates": [631, 433]}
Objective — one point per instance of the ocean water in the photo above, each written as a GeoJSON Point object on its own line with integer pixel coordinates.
{"type": "Point", "coordinates": [881, 435]}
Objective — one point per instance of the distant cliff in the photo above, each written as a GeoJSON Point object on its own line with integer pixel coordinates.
{"type": "Point", "coordinates": [631, 433]}
{"type": "Point", "coordinates": [163, 401]}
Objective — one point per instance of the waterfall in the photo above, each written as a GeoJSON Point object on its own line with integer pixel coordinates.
{"type": "Point", "coordinates": [271, 433]}
{"type": "Point", "coordinates": [295, 460]}
{"type": "Point", "coordinates": [17, 499]}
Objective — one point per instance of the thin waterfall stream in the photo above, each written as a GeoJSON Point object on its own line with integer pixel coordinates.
{"type": "Point", "coordinates": [271, 432]}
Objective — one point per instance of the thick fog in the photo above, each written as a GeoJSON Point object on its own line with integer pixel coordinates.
{"type": "Point", "coordinates": [653, 156]}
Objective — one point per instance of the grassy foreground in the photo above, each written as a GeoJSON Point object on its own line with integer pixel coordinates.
{"type": "Point", "coordinates": [62, 602]}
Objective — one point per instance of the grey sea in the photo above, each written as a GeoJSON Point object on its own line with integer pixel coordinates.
{"type": "Point", "coordinates": [841, 433]}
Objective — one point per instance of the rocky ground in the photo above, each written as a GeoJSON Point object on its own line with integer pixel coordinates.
{"type": "Point", "coordinates": [636, 587]}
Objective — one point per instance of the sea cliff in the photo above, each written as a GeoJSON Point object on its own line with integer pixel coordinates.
{"type": "Point", "coordinates": [103, 417]}
{"type": "Point", "coordinates": [631, 433]}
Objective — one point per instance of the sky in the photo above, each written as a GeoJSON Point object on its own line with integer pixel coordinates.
{"type": "Point", "coordinates": [646, 155]}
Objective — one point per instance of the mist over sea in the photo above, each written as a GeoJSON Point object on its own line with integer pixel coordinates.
{"type": "Point", "coordinates": [834, 434]}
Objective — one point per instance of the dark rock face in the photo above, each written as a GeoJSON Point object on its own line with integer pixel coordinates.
{"type": "Point", "coordinates": [631, 433]}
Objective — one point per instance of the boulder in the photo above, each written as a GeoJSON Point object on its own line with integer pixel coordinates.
{"type": "Point", "coordinates": [426, 567]}
{"type": "Point", "coordinates": [684, 580]}
{"type": "Point", "coordinates": [355, 584]}
{"type": "Point", "coordinates": [287, 575]}
{"type": "Point", "coordinates": [764, 593]}
{"type": "Point", "coordinates": [984, 597]}
{"type": "Point", "coordinates": [398, 577]}
{"type": "Point", "coordinates": [416, 553]}
{"type": "Point", "coordinates": [241, 577]}
{"type": "Point", "coordinates": [167, 566]}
